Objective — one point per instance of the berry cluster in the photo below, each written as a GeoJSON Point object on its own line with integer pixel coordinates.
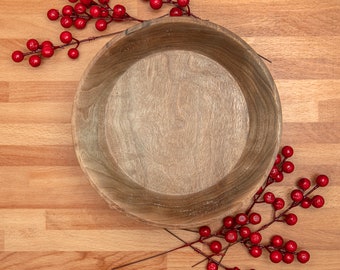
{"type": "Point", "coordinates": [78, 14]}
{"type": "Point", "coordinates": [246, 227]}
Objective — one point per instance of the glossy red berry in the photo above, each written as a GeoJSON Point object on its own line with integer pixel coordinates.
{"type": "Point", "coordinates": [104, 12]}
{"type": "Point", "coordinates": [255, 238]}
{"type": "Point", "coordinates": [32, 44]}
{"type": "Point", "coordinates": [80, 8]}
{"type": "Point", "coordinates": [303, 256]}
{"type": "Point", "coordinates": [176, 12]}
{"type": "Point", "coordinates": [241, 219]}
{"type": "Point", "coordinates": [17, 56]}
{"type": "Point", "coordinates": [276, 256]}
{"type": "Point", "coordinates": [215, 246]}
{"type": "Point", "coordinates": [66, 21]}
{"type": "Point", "coordinates": [279, 177]}
{"type": "Point", "coordinates": [183, 3]}
{"type": "Point", "coordinates": [291, 219]}
{"type": "Point", "coordinates": [212, 266]}
{"type": "Point", "coordinates": [304, 183]}
{"type": "Point", "coordinates": [287, 151]}
{"type": "Point", "coordinates": [67, 10]}
{"type": "Point", "coordinates": [95, 11]}
{"type": "Point", "coordinates": [288, 167]}
{"type": "Point", "coordinates": [278, 203]}
{"type": "Point", "coordinates": [34, 60]}
{"type": "Point", "coordinates": [296, 195]}
{"type": "Point", "coordinates": [255, 251]}
{"type": "Point", "coordinates": [104, 2]}
{"type": "Point", "coordinates": [86, 2]}
{"type": "Point", "coordinates": [277, 241]}
{"type": "Point", "coordinates": [101, 25]}
{"type": "Point", "coordinates": [288, 258]}
{"type": "Point", "coordinates": [53, 14]}
{"type": "Point", "coordinates": [46, 43]}
{"type": "Point", "coordinates": [291, 246]}
{"type": "Point", "coordinates": [274, 171]}
{"type": "Point", "coordinates": [255, 218]}
{"type": "Point", "coordinates": [65, 37]}
{"type": "Point", "coordinates": [228, 222]}
{"type": "Point", "coordinates": [156, 4]}
{"type": "Point", "coordinates": [306, 202]}
{"type": "Point", "coordinates": [231, 236]}
{"type": "Point", "coordinates": [322, 180]}
{"type": "Point", "coordinates": [318, 201]}
{"type": "Point", "coordinates": [80, 23]}
{"type": "Point", "coordinates": [204, 231]}
{"type": "Point", "coordinates": [119, 11]}
{"type": "Point", "coordinates": [47, 51]}
{"type": "Point", "coordinates": [244, 232]}
{"type": "Point", "coordinates": [73, 53]}
{"type": "Point", "coordinates": [277, 159]}
{"type": "Point", "coordinates": [269, 197]}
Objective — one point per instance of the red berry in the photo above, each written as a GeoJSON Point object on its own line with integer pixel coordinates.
{"type": "Point", "coordinates": [255, 238]}
{"type": "Point", "coordinates": [212, 266]}
{"type": "Point", "coordinates": [231, 236]}
{"type": "Point", "coordinates": [104, 12]}
{"type": "Point", "coordinates": [66, 21]}
{"type": "Point", "coordinates": [47, 51]}
{"type": "Point", "coordinates": [95, 11]}
{"type": "Point", "coordinates": [80, 23]}
{"type": "Point", "coordinates": [291, 246]}
{"type": "Point", "coordinates": [277, 159]}
{"type": "Point", "coordinates": [183, 3]}
{"type": "Point", "coordinates": [156, 4]}
{"type": "Point", "coordinates": [318, 201]}
{"type": "Point", "coordinates": [46, 43]}
{"type": "Point", "coordinates": [241, 219]}
{"type": "Point", "coordinates": [287, 151]}
{"type": "Point", "coordinates": [274, 171]}
{"type": "Point", "coordinates": [269, 197]}
{"type": "Point", "coordinates": [278, 203]}
{"type": "Point", "coordinates": [296, 195]}
{"type": "Point", "coordinates": [276, 256]}
{"type": "Point", "coordinates": [80, 8]}
{"type": "Point", "coordinates": [34, 60]}
{"type": "Point", "coordinates": [244, 232]}
{"type": "Point", "coordinates": [277, 241]}
{"type": "Point", "coordinates": [215, 246]}
{"type": "Point", "coordinates": [104, 2]}
{"type": "Point", "coordinates": [73, 53]}
{"type": "Point", "coordinates": [228, 222]}
{"type": "Point", "coordinates": [288, 258]}
{"type": "Point", "coordinates": [254, 218]}
{"type": "Point", "coordinates": [66, 37]}
{"type": "Point", "coordinates": [306, 203]}
{"type": "Point", "coordinates": [304, 183]}
{"type": "Point", "coordinates": [67, 10]}
{"type": "Point", "coordinates": [17, 56]}
{"type": "Point", "coordinates": [176, 12]}
{"type": "Point", "coordinates": [101, 25]}
{"type": "Point", "coordinates": [53, 14]}
{"type": "Point", "coordinates": [86, 2]}
{"type": "Point", "coordinates": [322, 180]}
{"type": "Point", "coordinates": [118, 12]}
{"type": "Point", "coordinates": [279, 177]}
{"type": "Point", "coordinates": [32, 44]}
{"type": "Point", "coordinates": [255, 251]}
{"type": "Point", "coordinates": [288, 167]}
{"type": "Point", "coordinates": [303, 256]}
{"type": "Point", "coordinates": [291, 219]}
{"type": "Point", "coordinates": [204, 231]}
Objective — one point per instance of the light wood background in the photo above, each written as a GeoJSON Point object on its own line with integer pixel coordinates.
{"type": "Point", "coordinates": [50, 216]}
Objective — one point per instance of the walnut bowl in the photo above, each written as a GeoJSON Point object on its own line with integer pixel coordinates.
{"type": "Point", "coordinates": [176, 122]}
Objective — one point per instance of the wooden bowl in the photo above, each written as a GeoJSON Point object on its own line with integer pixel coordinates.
{"type": "Point", "coordinates": [177, 122]}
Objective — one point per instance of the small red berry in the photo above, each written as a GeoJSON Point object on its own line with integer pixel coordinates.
{"type": "Point", "coordinates": [318, 201]}
{"type": "Point", "coordinates": [296, 195]}
{"type": "Point", "coordinates": [101, 25]}
{"type": "Point", "coordinates": [67, 10]}
{"type": "Point", "coordinates": [241, 219]}
{"type": "Point", "coordinates": [254, 218]}
{"type": "Point", "coordinates": [255, 251]}
{"type": "Point", "coordinates": [80, 8]}
{"type": "Point", "coordinates": [17, 56]}
{"type": "Point", "coordinates": [95, 11]}
{"type": "Point", "coordinates": [73, 53]}
{"type": "Point", "coordinates": [322, 180]}
{"type": "Point", "coordinates": [215, 246]}
{"type": "Point", "coordinates": [34, 60]}
{"type": "Point", "coordinates": [156, 4]}
{"type": "Point", "coordinates": [204, 231]}
{"type": "Point", "coordinates": [86, 2]}
{"type": "Point", "coordinates": [288, 258]}
{"type": "Point", "coordinates": [255, 238]}
{"type": "Point", "coordinates": [119, 11]}
{"type": "Point", "coordinates": [288, 167]}
{"type": "Point", "coordinates": [279, 177]}
{"type": "Point", "coordinates": [277, 241]}
{"type": "Point", "coordinates": [269, 197]}
{"type": "Point", "coordinates": [66, 21]}
{"type": "Point", "coordinates": [47, 51]}
{"type": "Point", "coordinates": [183, 3]}
{"type": "Point", "coordinates": [80, 23]}
{"type": "Point", "coordinates": [104, 12]}
{"type": "Point", "coordinates": [277, 159]}
{"type": "Point", "coordinates": [244, 232]}
{"type": "Point", "coordinates": [274, 171]}
{"type": "Point", "coordinates": [287, 151]}
{"type": "Point", "coordinates": [104, 2]}
{"type": "Point", "coordinates": [176, 12]}
{"type": "Point", "coordinates": [291, 246]}
{"type": "Point", "coordinates": [306, 202]}
{"type": "Point", "coordinates": [276, 256]}
{"type": "Point", "coordinates": [304, 183]}
{"type": "Point", "coordinates": [46, 43]}
{"type": "Point", "coordinates": [231, 236]}
{"type": "Point", "coordinates": [291, 219]}
{"type": "Point", "coordinates": [303, 256]}
{"type": "Point", "coordinates": [278, 203]}
{"type": "Point", "coordinates": [228, 222]}
{"type": "Point", "coordinates": [212, 266]}
{"type": "Point", "coordinates": [66, 37]}
{"type": "Point", "coordinates": [32, 44]}
{"type": "Point", "coordinates": [53, 14]}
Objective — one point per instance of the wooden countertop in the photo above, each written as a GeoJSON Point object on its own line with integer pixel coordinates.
{"type": "Point", "coordinates": [50, 216]}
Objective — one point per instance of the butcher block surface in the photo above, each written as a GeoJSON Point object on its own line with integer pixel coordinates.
{"type": "Point", "coordinates": [50, 215]}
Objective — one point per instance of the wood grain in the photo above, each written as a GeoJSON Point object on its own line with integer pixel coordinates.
{"type": "Point", "coordinates": [46, 200]}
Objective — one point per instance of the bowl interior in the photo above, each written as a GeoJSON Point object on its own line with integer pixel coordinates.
{"type": "Point", "coordinates": [176, 122]}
